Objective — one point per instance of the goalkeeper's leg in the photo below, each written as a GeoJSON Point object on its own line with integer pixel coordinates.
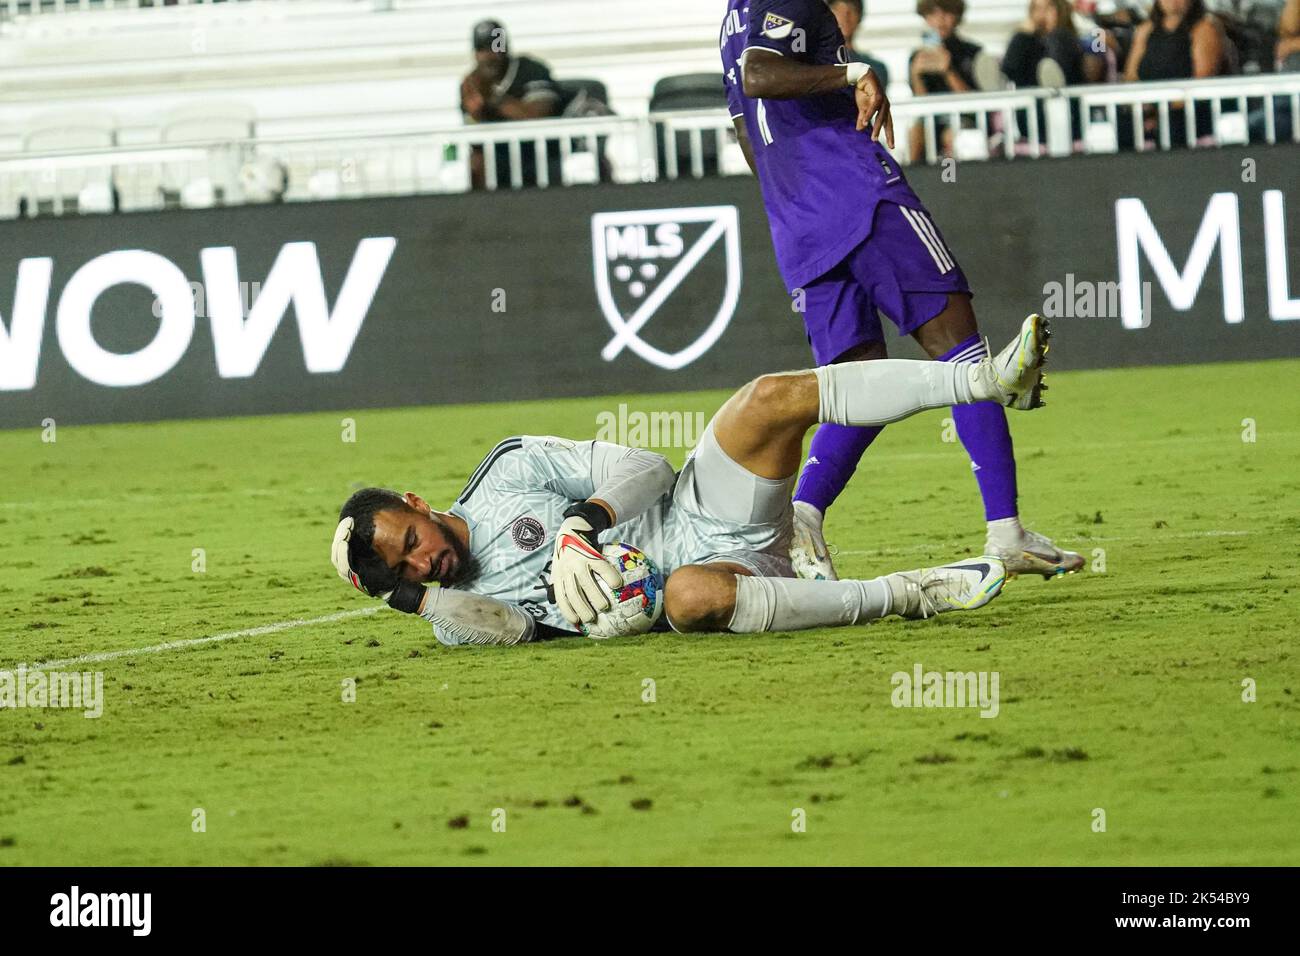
{"type": "Point", "coordinates": [762, 427]}
{"type": "Point", "coordinates": [728, 597]}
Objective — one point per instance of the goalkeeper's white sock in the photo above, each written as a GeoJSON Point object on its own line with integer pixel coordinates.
{"type": "Point", "coordinates": [881, 391]}
{"type": "Point", "coordinates": [790, 604]}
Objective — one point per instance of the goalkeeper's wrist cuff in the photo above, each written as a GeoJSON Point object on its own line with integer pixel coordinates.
{"type": "Point", "coordinates": [854, 72]}
{"type": "Point", "coordinates": [407, 597]}
{"type": "Point", "coordinates": [592, 513]}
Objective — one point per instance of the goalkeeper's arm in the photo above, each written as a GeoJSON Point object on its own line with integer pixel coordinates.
{"type": "Point", "coordinates": [465, 617]}
{"type": "Point", "coordinates": [628, 480]}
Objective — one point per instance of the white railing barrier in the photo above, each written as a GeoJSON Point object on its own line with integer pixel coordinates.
{"type": "Point", "coordinates": [1166, 97]}
{"type": "Point", "coordinates": [663, 146]}
{"type": "Point", "coordinates": [17, 8]}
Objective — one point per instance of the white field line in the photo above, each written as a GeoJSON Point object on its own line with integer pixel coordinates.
{"type": "Point", "coordinates": [259, 631]}
{"type": "Point", "coordinates": [1084, 541]}
{"type": "Point", "coordinates": [264, 629]}
{"type": "Point", "coordinates": [143, 498]}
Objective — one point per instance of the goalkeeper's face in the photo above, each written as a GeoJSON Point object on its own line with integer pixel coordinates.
{"type": "Point", "coordinates": [419, 545]}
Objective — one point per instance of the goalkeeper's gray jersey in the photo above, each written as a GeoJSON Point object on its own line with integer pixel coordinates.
{"type": "Point", "coordinates": [515, 502]}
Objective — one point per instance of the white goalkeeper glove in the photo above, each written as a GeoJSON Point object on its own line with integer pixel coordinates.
{"type": "Point", "coordinates": [576, 563]}
{"type": "Point", "coordinates": [339, 553]}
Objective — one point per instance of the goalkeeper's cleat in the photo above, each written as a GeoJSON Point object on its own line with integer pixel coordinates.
{"type": "Point", "coordinates": [960, 586]}
{"type": "Point", "coordinates": [1035, 554]}
{"type": "Point", "coordinates": [808, 551]}
{"type": "Point", "coordinates": [1015, 375]}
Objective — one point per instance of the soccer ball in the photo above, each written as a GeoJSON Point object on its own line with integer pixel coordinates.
{"type": "Point", "coordinates": [637, 604]}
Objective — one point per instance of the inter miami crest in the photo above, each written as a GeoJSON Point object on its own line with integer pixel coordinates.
{"type": "Point", "coordinates": [679, 267]}
{"type": "Point", "coordinates": [528, 533]}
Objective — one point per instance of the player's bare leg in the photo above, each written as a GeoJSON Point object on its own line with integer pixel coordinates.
{"type": "Point", "coordinates": [702, 597]}
{"type": "Point", "coordinates": [954, 325]}
{"type": "Point", "coordinates": [953, 335]}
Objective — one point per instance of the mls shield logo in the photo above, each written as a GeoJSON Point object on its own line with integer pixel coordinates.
{"type": "Point", "coordinates": [776, 27]}
{"type": "Point", "coordinates": [643, 257]}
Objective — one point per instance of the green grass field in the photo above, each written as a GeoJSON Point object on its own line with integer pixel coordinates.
{"type": "Point", "coordinates": [1121, 688]}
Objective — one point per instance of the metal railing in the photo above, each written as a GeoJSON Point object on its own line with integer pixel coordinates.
{"type": "Point", "coordinates": [1153, 109]}
{"type": "Point", "coordinates": [1104, 118]}
{"type": "Point", "coordinates": [663, 146]}
{"type": "Point", "coordinates": [13, 9]}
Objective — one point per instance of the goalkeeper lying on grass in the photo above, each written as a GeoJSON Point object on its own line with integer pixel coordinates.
{"type": "Point", "coordinates": [517, 556]}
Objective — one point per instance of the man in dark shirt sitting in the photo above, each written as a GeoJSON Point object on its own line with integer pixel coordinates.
{"type": "Point", "coordinates": [944, 64]}
{"type": "Point", "coordinates": [502, 88]}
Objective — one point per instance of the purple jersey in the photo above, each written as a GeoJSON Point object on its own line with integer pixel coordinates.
{"type": "Point", "coordinates": [821, 178]}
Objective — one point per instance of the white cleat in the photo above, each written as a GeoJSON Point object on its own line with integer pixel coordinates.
{"type": "Point", "coordinates": [960, 586]}
{"type": "Point", "coordinates": [1037, 555]}
{"type": "Point", "coordinates": [808, 552]}
{"type": "Point", "coordinates": [1015, 375]}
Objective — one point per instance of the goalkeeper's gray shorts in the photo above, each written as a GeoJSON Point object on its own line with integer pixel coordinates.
{"type": "Point", "coordinates": [737, 516]}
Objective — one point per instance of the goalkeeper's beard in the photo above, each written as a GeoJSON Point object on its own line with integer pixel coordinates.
{"type": "Point", "coordinates": [467, 566]}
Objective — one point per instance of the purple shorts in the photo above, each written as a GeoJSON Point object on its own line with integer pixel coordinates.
{"type": "Point", "coordinates": [903, 269]}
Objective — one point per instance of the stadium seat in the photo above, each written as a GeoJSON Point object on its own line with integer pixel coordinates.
{"type": "Point", "coordinates": [199, 184]}
{"type": "Point", "coordinates": [65, 130]}
{"type": "Point", "coordinates": [585, 164]}
{"type": "Point", "coordinates": [209, 122]}
{"type": "Point", "coordinates": [572, 92]}
{"type": "Point", "coordinates": [66, 189]}
{"type": "Point", "coordinates": [691, 91]}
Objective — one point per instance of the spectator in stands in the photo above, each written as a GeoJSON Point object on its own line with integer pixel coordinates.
{"type": "Point", "coordinates": [1103, 48]}
{"type": "Point", "coordinates": [1047, 35]}
{"type": "Point", "coordinates": [849, 14]}
{"type": "Point", "coordinates": [944, 64]}
{"type": "Point", "coordinates": [1288, 32]}
{"type": "Point", "coordinates": [1048, 51]}
{"type": "Point", "coordinates": [504, 88]}
{"type": "Point", "coordinates": [1181, 41]}
{"type": "Point", "coordinates": [1117, 24]}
